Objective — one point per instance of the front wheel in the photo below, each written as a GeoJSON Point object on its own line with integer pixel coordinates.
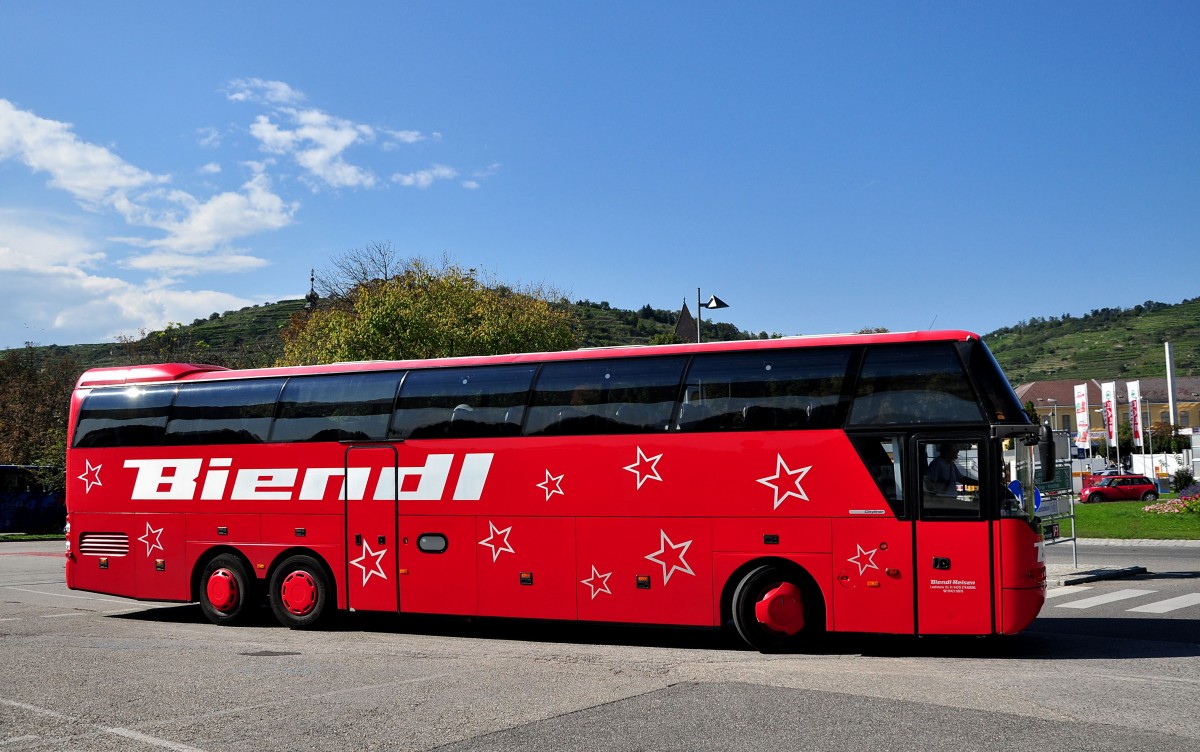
{"type": "Point", "coordinates": [226, 596]}
{"type": "Point", "coordinates": [1149, 496]}
{"type": "Point", "coordinates": [771, 609]}
{"type": "Point", "coordinates": [300, 592]}
{"type": "Point", "coordinates": [1095, 498]}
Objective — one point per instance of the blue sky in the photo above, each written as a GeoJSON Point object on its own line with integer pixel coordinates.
{"type": "Point", "coordinates": [822, 167]}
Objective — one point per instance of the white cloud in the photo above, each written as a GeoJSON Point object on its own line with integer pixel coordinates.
{"type": "Point", "coordinates": [425, 178]}
{"type": "Point", "coordinates": [53, 295]}
{"type": "Point", "coordinates": [92, 174]}
{"type": "Point", "coordinates": [317, 141]}
{"type": "Point", "coordinates": [407, 137]}
{"type": "Point", "coordinates": [212, 168]}
{"type": "Point", "coordinates": [258, 90]}
{"type": "Point", "coordinates": [99, 179]}
{"type": "Point", "coordinates": [209, 225]}
{"type": "Point", "coordinates": [209, 137]}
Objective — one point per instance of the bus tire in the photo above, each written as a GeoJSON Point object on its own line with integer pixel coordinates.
{"type": "Point", "coordinates": [226, 591]}
{"type": "Point", "coordinates": [771, 608]}
{"type": "Point", "coordinates": [300, 592]}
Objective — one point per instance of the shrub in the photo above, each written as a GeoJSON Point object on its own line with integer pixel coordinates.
{"type": "Point", "coordinates": [1182, 479]}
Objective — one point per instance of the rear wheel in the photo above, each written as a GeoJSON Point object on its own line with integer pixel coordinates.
{"type": "Point", "coordinates": [300, 592]}
{"type": "Point", "coordinates": [771, 608]}
{"type": "Point", "coordinates": [226, 594]}
{"type": "Point", "coordinates": [1149, 496]}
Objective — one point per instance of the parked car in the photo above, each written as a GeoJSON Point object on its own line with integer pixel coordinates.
{"type": "Point", "coordinates": [1094, 478]}
{"type": "Point", "coordinates": [1118, 488]}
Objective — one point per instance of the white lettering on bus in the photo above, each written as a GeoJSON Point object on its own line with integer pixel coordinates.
{"type": "Point", "coordinates": [178, 479]}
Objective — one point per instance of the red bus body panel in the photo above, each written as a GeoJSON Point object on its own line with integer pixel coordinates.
{"type": "Point", "coordinates": [641, 528]}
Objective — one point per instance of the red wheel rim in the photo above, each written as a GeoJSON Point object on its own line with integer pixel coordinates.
{"type": "Point", "coordinates": [781, 609]}
{"type": "Point", "coordinates": [222, 590]}
{"type": "Point", "coordinates": [299, 593]}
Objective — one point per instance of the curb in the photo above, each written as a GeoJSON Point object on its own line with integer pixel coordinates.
{"type": "Point", "coordinates": [1092, 575]}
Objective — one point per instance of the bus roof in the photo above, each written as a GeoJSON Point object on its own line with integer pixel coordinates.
{"type": "Point", "coordinates": [167, 372]}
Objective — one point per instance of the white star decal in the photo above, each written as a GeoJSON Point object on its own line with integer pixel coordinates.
{"type": "Point", "coordinates": [863, 566]}
{"type": "Point", "coordinates": [91, 476]}
{"type": "Point", "coordinates": [776, 482]}
{"type": "Point", "coordinates": [598, 582]}
{"type": "Point", "coordinates": [501, 547]}
{"type": "Point", "coordinates": [552, 485]}
{"type": "Point", "coordinates": [672, 560]}
{"type": "Point", "coordinates": [156, 542]}
{"type": "Point", "coordinates": [375, 567]}
{"type": "Point", "coordinates": [645, 468]}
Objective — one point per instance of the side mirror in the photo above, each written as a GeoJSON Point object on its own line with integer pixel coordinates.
{"type": "Point", "coordinates": [1046, 457]}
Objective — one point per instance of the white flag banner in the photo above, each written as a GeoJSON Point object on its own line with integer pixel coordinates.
{"type": "Point", "coordinates": [1108, 398]}
{"type": "Point", "coordinates": [1083, 424]}
{"type": "Point", "coordinates": [1135, 410]}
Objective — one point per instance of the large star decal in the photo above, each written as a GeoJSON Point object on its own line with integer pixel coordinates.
{"type": "Point", "coordinates": [645, 468]}
{"type": "Point", "coordinates": [552, 485]}
{"type": "Point", "coordinates": [783, 478]}
{"type": "Point", "coordinates": [91, 476]}
{"type": "Point", "coordinates": [152, 539]}
{"type": "Point", "coordinates": [375, 567]}
{"type": "Point", "coordinates": [494, 542]}
{"type": "Point", "coordinates": [670, 556]}
{"type": "Point", "coordinates": [598, 582]}
{"type": "Point", "coordinates": [864, 564]}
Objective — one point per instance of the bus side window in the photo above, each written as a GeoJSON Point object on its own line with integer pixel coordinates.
{"type": "Point", "coordinates": [913, 383]}
{"type": "Point", "coordinates": [124, 416]}
{"type": "Point", "coordinates": [341, 407]}
{"type": "Point", "coordinates": [950, 479]}
{"type": "Point", "coordinates": [483, 401]}
{"type": "Point", "coordinates": [605, 396]}
{"type": "Point", "coordinates": [882, 456]}
{"type": "Point", "coordinates": [223, 412]}
{"type": "Point", "coordinates": [752, 391]}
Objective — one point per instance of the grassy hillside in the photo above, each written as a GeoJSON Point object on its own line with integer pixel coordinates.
{"type": "Point", "coordinates": [1106, 343]}
{"type": "Point", "coordinates": [250, 337]}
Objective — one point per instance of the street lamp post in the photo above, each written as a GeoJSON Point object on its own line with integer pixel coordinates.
{"type": "Point", "coordinates": [713, 304]}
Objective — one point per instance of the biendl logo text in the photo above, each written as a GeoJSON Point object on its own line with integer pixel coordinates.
{"type": "Point", "coordinates": [215, 479]}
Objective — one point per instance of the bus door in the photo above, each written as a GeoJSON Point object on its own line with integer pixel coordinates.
{"type": "Point", "coordinates": [872, 547]}
{"type": "Point", "coordinates": [953, 561]}
{"type": "Point", "coordinates": [371, 533]}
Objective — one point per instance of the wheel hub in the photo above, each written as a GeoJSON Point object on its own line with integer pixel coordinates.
{"type": "Point", "coordinates": [222, 590]}
{"type": "Point", "coordinates": [781, 609]}
{"type": "Point", "coordinates": [299, 593]}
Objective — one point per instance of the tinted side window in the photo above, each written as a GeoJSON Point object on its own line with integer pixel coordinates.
{"type": "Point", "coordinates": [462, 402]}
{"type": "Point", "coordinates": [883, 457]}
{"type": "Point", "coordinates": [605, 396]}
{"type": "Point", "coordinates": [913, 383]}
{"type": "Point", "coordinates": [229, 412]}
{"type": "Point", "coordinates": [759, 391]}
{"type": "Point", "coordinates": [124, 416]}
{"type": "Point", "coordinates": [341, 407]}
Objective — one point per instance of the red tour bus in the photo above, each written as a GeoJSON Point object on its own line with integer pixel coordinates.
{"type": "Point", "coordinates": [847, 483]}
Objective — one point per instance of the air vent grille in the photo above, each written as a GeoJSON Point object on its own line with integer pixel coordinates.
{"type": "Point", "coordinates": [104, 544]}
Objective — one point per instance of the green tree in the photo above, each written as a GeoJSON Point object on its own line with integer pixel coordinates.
{"type": "Point", "coordinates": [35, 396]}
{"type": "Point", "coordinates": [427, 311]}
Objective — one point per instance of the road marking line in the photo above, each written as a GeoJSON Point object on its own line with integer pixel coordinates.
{"type": "Point", "coordinates": [153, 741]}
{"type": "Point", "coordinates": [63, 595]}
{"type": "Point", "coordinates": [1170, 604]}
{"type": "Point", "coordinates": [1066, 590]}
{"type": "Point", "coordinates": [1099, 600]}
